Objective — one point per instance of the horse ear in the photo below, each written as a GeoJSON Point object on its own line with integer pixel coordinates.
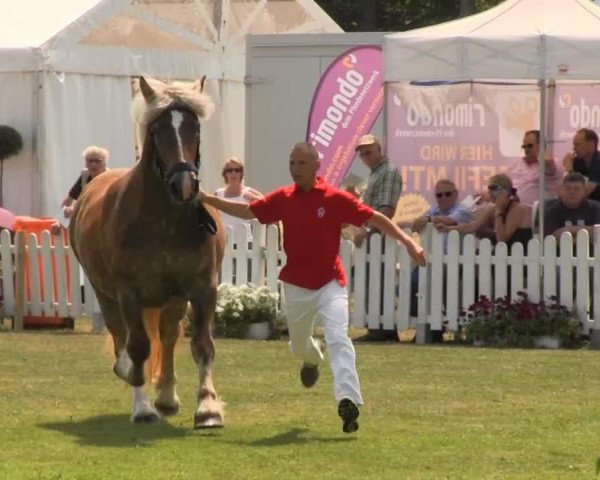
{"type": "Point", "coordinates": [146, 90]}
{"type": "Point", "coordinates": [202, 80]}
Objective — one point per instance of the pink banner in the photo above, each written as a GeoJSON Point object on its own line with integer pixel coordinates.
{"type": "Point", "coordinates": [575, 107]}
{"type": "Point", "coordinates": [463, 132]}
{"type": "Point", "coordinates": [346, 103]}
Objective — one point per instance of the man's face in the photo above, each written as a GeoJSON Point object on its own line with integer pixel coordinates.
{"type": "Point", "coordinates": [583, 147]}
{"type": "Point", "coordinates": [572, 194]}
{"type": "Point", "coordinates": [95, 164]}
{"type": "Point", "coordinates": [303, 167]}
{"type": "Point", "coordinates": [370, 154]}
{"type": "Point", "coordinates": [446, 195]}
{"type": "Point", "coordinates": [531, 148]}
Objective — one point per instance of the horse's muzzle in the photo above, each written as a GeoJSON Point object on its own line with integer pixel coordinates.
{"type": "Point", "coordinates": [183, 187]}
{"type": "Point", "coordinates": [182, 181]}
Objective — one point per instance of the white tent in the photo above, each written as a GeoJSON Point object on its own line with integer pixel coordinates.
{"type": "Point", "coordinates": [536, 40]}
{"type": "Point", "coordinates": [518, 39]}
{"type": "Point", "coordinates": [66, 68]}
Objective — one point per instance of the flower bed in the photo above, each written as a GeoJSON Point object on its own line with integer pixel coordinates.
{"type": "Point", "coordinates": [520, 323]}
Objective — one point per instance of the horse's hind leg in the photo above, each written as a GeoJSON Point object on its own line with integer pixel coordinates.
{"type": "Point", "coordinates": [167, 401]}
{"type": "Point", "coordinates": [209, 413]}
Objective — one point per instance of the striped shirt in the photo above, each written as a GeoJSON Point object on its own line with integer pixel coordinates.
{"type": "Point", "coordinates": [383, 186]}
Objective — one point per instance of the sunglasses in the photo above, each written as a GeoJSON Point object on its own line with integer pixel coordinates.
{"type": "Point", "coordinates": [230, 170]}
{"type": "Point", "coordinates": [444, 194]}
{"type": "Point", "coordinates": [527, 145]}
{"type": "Point", "coordinates": [365, 153]}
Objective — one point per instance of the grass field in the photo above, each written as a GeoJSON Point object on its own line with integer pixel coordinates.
{"type": "Point", "coordinates": [440, 412]}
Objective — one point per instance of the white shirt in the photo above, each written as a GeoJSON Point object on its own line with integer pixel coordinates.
{"type": "Point", "coordinates": [230, 219]}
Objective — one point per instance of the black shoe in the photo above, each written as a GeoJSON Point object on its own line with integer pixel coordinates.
{"type": "Point", "coordinates": [348, 412]}
{"type": "Point", "coordinates": [309, 374]}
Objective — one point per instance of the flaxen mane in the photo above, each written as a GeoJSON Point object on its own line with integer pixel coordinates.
{"type": "Point", "coordinates": [188, 94]}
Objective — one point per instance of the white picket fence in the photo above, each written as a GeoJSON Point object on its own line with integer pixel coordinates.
{"type": "Point", "coordinates": [48, 280]}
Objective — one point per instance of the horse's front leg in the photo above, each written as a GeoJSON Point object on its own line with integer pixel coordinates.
{"type": "Point", "coordinates": [209, 413]}
{"type": "Point", "coordinates": [167, 401]}
{"type": "Point", "coordinates": [130, 364]}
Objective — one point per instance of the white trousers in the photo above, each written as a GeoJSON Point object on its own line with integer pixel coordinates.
{"type": "Point", "coordinates": [330, 303]}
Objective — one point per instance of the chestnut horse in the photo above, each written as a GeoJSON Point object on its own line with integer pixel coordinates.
{"type": "Point", "coordinates": [148, 247]}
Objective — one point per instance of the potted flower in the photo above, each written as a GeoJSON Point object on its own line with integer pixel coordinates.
{"type": "Point", "coordinates": [520, 323]}
{"type": "Point", "coordinates": [247, 311]}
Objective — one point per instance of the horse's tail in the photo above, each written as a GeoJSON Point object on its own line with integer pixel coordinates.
{"type": "Point", "coordinates": [153, 366]}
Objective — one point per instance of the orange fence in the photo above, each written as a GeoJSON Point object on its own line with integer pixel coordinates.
{"type": "Point", "coordinates": [37, 226]}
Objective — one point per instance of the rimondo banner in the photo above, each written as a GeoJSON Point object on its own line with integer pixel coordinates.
{"type": "Point", "coordinates": [346, 103]}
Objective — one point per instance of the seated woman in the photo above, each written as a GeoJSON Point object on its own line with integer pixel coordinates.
{"type": "Point", "coordinates": [506, 220]}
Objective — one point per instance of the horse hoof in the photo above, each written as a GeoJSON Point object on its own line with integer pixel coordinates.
{"type": "Point", "coordinates": [147, 418]}
{"type": "Point", "coordinates": [208, 420]}
{"type": "Point", "coordinates": [167, 410]}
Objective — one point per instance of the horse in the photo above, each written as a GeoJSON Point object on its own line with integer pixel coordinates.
{"type": "Point", "coordinates": [149, 247]}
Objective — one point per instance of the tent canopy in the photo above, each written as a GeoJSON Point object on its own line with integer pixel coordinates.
{"type": "Point", "coordinates": [66, 68]}
{"type": "Point", "coordinates": [168, 38]}
{"type": "Point", "coordinates": [518, 39]}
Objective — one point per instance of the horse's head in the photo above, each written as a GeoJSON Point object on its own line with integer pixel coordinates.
{"type": "Point", "coordinates": [168, 115]}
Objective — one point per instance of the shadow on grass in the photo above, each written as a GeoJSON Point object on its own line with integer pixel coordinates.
{"type": "Point", "coordinates": [116, 431]}
{"type": "Point", "coordinates": [295, 436]}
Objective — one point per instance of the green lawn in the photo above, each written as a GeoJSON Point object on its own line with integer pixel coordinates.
{"type": "Point", "coordinates": [435, 413]}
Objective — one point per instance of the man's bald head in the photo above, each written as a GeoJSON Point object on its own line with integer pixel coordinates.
{"type": "Point", "coordinates": [305, 148]}
{"type": "Point", "coordinates": [304, 164]}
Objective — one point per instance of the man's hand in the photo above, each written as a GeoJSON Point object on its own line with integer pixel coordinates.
{"type": "Point", "coordinates": [443, 228]}
{"type": "Point", "coordinates": [68, 211]}
{"type": "Point", "coordinates": [417, 253]}
{"type": "Point", "coordinates": [201, 194]}
{"type": "Point", "coordinates": [568, 161]}
{"type": "Point", "coordinates": [360, 236]}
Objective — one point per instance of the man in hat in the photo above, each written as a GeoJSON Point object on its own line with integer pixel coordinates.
{"type": "Point", "coordinates": [383, 184]}
{"type": "Point", "coordinates": [382, 194]}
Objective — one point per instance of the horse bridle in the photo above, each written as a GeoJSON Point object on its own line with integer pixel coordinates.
{"type": "Point", "coordinates": [180, 166]}
{"type": "Point", "coordinates": [204, 218]}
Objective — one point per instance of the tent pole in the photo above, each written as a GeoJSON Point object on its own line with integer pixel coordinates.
{"type": "Point", "coordinates": [541, 162]}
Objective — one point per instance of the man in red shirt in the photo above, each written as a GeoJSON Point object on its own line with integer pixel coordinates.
{"type": "Point", "coordinates": [314, 281]}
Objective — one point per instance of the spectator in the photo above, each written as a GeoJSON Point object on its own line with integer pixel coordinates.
{"type": "Point", "coordinates": [383, 184]}
{"type": "Point", "coordinates": [448, 212]}
{"type": "Point", "coordinates": [509, 219]}
{"type": "Point", "coordinates": [381, 193]}
{"type": "Point", "coordinates": [96, 159]}
{"type": "Point", "coordinates": [313, 278]}
{"type": "Point", "coordinates": [524, 172]}
{"type": "Point", "coordinates": [572, 211]}
{"type": "Point", "coordinates": [585, 159]}
{"type": "Point", "coordinates": [235, 190]}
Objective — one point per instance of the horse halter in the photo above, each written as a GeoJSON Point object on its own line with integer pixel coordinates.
{"type": "Point", "coordinates": [179, 166]}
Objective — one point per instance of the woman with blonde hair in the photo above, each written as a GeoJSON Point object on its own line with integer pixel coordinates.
{"type": "Point", "coordinates": [235, 190]}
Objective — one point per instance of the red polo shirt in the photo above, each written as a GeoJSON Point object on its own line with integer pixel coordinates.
{"type": "Point", "coordinates": [312, 228]}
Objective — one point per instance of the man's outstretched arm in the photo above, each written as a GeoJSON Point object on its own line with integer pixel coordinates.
{"type": "Point", "coordinates": [384, 224]}
{"type": "Point", "coordinates": [236, 209]}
